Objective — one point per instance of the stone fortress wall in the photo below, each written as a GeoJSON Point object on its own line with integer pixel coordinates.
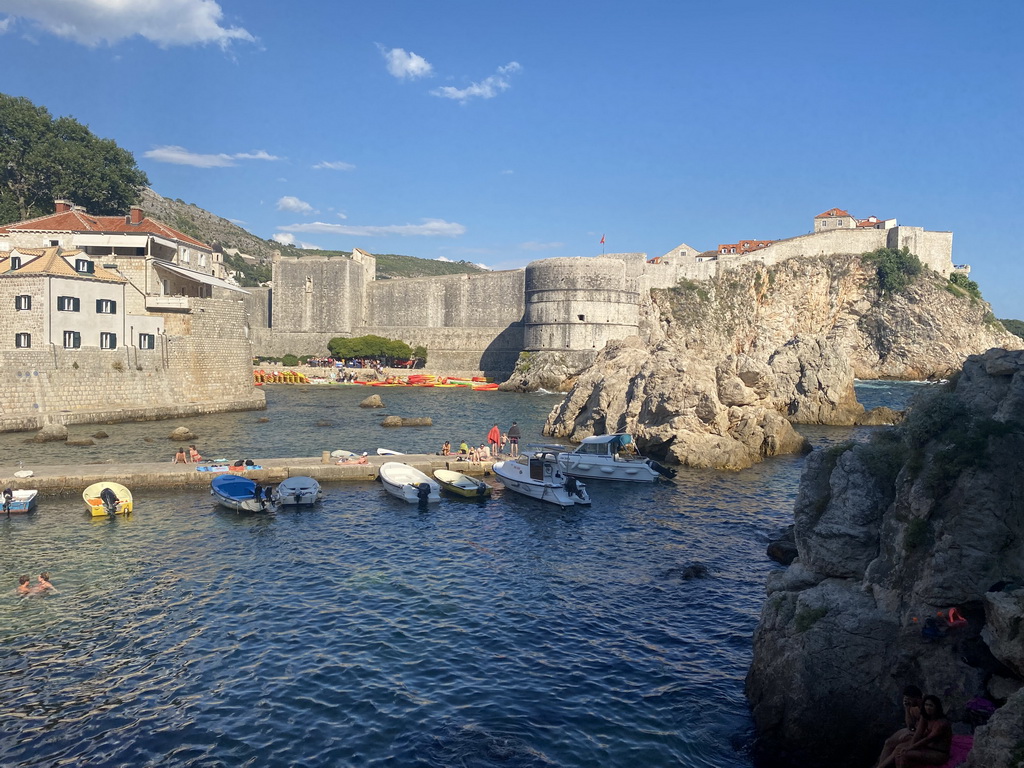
{"type": "Point", "coordinates": [481, 322]}
{"type": "Point", "coordinates": [191, 371]}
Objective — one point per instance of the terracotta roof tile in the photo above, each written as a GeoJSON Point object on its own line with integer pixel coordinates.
{"type": "Point", "coordinates": [53, 262]}
{"type": "Point", "coordinates": [832, 212]}
{"type": "Point", "coordinates": [80, 221]}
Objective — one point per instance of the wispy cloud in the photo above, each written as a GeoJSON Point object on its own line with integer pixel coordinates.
{"type": "Point", "coordinates": [5, 24]}
{"type": "Point", "coordinates": [428, 228]}
{"type": "Point", "coordinates": [166, 23]}
{"type": "Point", "coordinates": [485, 89]}
{"type": "Point", "coordinates": [335, 165]}
{"type": "Point", "coordinates": [294, 204]}
{"type": "Point", "coordinates": [534, 246]}
{"type": "Point", "coordinates": [405, 65]}
{"type": "Point", "coordinates": [181, 156]}
{"type": "Point", "coordinates": [286, 238]}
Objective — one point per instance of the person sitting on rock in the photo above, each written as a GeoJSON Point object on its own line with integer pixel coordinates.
{"type": "Point", "coordinates": [932, 740]}
{"type": "Point", "coordinates": [911, 717]}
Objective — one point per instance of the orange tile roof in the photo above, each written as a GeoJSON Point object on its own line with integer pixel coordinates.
{"type": "Point", "coordinates": [832, 212]}
{"type": "Point", "coordinates": [53, 262]}
{"type": "Point", "coordinates": [80, 221]}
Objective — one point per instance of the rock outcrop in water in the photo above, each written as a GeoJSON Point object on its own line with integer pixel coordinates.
{"type": "Point", "coordinates": [891, 534]}
{"type": "Point", "coordinates": [724, 367]}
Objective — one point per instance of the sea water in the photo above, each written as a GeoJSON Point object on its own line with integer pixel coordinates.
{"type": "Point", "coordinates": [368, 632]}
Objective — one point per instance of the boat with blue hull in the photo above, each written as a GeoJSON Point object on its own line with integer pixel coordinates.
{"type": "Point", "coordinates": [19, 502]}
{"type": "Point", "coordinates": [241, 494]}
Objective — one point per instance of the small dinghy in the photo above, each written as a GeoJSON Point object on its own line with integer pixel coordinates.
{"type": "Point", "coordinates": [462, 485]}
{"type": "Point", "coordinates": [388, 452]}
{"type": "Point", "coordinates": [408, 483]}
{"type": "Point", "coordinates": [241, 494]}
{"type": "Point", "coordinates": [107, 498]}
{"type": "Point", "coordinates": [19, 502]}
{"type": "Point", "coordinates": [539, 475]}
{"type": "Point", "coordinates": [298, 491]}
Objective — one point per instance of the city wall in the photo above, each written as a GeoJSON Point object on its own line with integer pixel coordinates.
{"type": "Point", "coordinates": [206, 372]}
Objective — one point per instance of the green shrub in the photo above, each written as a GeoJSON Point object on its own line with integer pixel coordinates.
{"type": "Point", "coordinates": [895, 269]}
{"type": "Point", "coordinates": [1016, 327]}
{"type": "Point", "coordinates": [369, 346]}
{"type": "Point", "coordinates": [961, 280]}
{"type": "Point", "coordinates": [289, 361]}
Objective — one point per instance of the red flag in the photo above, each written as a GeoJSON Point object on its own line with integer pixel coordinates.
{"type": "Point", "coordinates": [602, 239]}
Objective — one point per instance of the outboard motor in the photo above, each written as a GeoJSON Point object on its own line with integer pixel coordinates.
{"type": "Point", "coordinates": [8, 498]}
{"type": "Point", "coordinates": [667, 472]}
{"type": "Point", "coordinates": [572, 487]}
{"type": "Point", "coordinates": [109, 499]}
{"type": "Point", "coordinates": [423, 491]}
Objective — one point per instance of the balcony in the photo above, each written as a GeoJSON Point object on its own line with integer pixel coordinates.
{"type": "Point", "coordinates": [168, 304]}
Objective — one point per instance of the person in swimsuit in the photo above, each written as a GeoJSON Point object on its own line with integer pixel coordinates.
{"type": "Point", "coordinates": [933, 737]}
{"type": "Point", "coordinates": [911, 717]}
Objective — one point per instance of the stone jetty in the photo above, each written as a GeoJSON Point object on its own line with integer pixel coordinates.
{"type": "Point", "coordinates": [73, 478]}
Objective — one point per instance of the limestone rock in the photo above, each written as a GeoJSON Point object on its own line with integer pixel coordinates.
{"type": "Point", "coordinates": [373, 401]}
{"type": "Point", "coordinates": [101, 435]}
{"type": "Point", "coordinates": [541, 370]}
{"type": "Point", "coordinates": [782, 549]}
{"type": "Point", "coordinates": [400, 421]}
{"type": "Point", "coordinates": [51, 433]}
{"type": "Point", "coordinates": [891, 533]}
{"type": "Point", "coordinates": [998, 744]}
{"type": "Point", "coordinates": [182, 434]}
{"type": "Point", "coordinates": [879, 416]}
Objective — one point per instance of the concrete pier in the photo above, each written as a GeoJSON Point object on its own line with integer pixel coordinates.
{"type": "Point", "coordinates": [73, 478]}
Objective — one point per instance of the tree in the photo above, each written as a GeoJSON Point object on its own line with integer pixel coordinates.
{"type": "Point", "coordinates": [369, 346]}
{"type": "Point", "coordinates": [961, 280]}
{"type": "Point", "coordinates": [42, 159]}
{"type": "Point", "coordinates": [896, 269]}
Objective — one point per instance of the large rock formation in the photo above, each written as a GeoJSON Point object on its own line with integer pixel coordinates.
{"type": "Point", "coordinates": [722, 367]}
{"type": "Point", "coordinates": [891, 534]}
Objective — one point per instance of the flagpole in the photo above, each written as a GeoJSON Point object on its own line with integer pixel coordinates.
{"type": "Point", "coordinates": [602, 245]}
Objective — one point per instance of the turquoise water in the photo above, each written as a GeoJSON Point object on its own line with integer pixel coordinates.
{"type": "Point", "coordinates": [366, 631]}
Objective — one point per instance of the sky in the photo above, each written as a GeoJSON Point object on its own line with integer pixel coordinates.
{"type": "Point", "coordinates": [504, 132]}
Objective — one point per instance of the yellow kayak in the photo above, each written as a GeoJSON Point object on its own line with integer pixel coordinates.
{"type": "Point", "coordinates": [107, 498]}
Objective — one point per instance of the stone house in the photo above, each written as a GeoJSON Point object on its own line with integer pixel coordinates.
{"type": "Point", "coordinates": [116, 317]}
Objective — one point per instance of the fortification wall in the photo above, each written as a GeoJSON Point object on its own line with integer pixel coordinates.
{"type": "Point", "coordinates": [492, 299]}
{"type": "Point", "coordinates": [317, 295]}
{"type": "Point", "coordinates": [205, 372]}
{"type": "Point", "coordinates": [935, 249]}
{"type": "Point", "coordinates": [580, 304]}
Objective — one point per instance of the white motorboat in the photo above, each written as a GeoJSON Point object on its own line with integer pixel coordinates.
{"type": "Point", "coordinates": [408, 483]}
{"type": "Point", "coordinates": [299, 491]}
{"type": "Point", "coordinates": [611, 457]}
{"type": "Point", "coordinates": [539, 475]}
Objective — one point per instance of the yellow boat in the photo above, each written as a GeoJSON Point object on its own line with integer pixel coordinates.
{"type": "Point", "coordinates": [107, 498]}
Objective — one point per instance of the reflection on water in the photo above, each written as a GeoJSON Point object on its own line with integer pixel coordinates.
{"type": "Point", "coordinates": [369, 632]}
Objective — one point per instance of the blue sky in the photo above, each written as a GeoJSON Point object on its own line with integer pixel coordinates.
{"type": "Point", "coordinates": [500, 133]}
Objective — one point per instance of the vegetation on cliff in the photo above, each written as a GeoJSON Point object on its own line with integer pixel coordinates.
{"type": "Point", "coordinates": [44, 158]}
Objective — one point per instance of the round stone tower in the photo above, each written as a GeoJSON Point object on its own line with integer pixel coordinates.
{"type": "Point", "coordinates": [575, 305]}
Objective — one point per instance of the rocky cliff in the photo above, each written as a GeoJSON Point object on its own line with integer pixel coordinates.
{"type": "Point", "coordinates": [723, 367]}
{"type": "Point", "coordinates": [891, 534]}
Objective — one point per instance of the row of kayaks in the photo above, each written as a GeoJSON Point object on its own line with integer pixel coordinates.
{"type": "Point", "coordinates": [478, 383]}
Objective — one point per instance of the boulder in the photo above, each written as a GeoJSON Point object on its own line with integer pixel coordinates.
{"type": "Point", "coordinates": [399, 421]}
{"type": "Point", "coordinates": [373, 401]}
{"type": "Point", "coordinates": [101, 435]}
{"type": "Point", "coordinates": [182, 434]}
{"type": "Point", "coordinates": [51, 433]}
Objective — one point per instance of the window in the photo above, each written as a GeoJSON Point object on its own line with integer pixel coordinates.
{"type": "Point", "coordinates": [108, 340]}
{"type": "Point", "coordinates": [68, 304]}
{"type": "Point", "coordinates": [147, 341]}
{"type": "Point", "coordinates": [22, 340]}
{"type": "Point", "coordinates": [15, 262]}
{"type": "Point", "coordinates": [106, 307]}
{"type": "Point", "coordinates": [23, 302]}
{"type": "Point", "coordinates": [85, 266]}
{"type": "Point", "coordinates": [184, 256]}
{"type": "Point", "coordinates": [202, 259]}
{"type": "Point", "coordinates": [72, 340]}
{"type": "Point", "coordinates": [54, 243]}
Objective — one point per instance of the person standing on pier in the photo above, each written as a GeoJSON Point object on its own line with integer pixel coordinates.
{"type": "Point", "coordinates": [513, 440]}
{"type": "Point", "coordinates": [494, 440]}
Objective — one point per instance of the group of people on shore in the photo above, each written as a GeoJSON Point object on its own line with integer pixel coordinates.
{"type": "Point", "coordinates": [925, 738]}
{"type": "Point", "coordinates": [41, 587]}
{"type": "Point", "coordinates": [187, 456]}
{"type": "Point", "coordinates": [498, 443]}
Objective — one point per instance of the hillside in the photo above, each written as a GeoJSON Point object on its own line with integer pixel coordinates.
{"type": "Point", "coordinates": [210, 228]}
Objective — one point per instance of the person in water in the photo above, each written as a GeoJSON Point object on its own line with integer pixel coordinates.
{"type": "Point", "coordinates": [911, 717]}
{"type": "Point", "coordinates": [933, 736]}
{"type": "Point", "coordinates": [43, 584]}
{"type": "Point", "coordinates": [23, 587]}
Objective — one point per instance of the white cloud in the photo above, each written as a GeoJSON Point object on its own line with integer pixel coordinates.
{"type": "Point", "coordinates": [402, 64]}
{"type": "Point", "coordinates": [534, 246]}
{"type": "Point", "coordinates": [293, 204]}
{"type": "Point", "coordinates": [336, 165]}
{"type": "Point", "coordinates": [164, 22]}
{"type": "Point", "coordinates": [181, 156]}
{"type": "Point", "coordinates": [259, 154]}
{"type": "Point", "coordinates": [288, 239]}
{"type": "Point", "coordinates": [441, 258]}
{"type": "Point", "coordinates": [5, 24]}
{"type": "Point", "coordinates": [485, 89]}
{"type": "Point", "coordinates": [429, 228]}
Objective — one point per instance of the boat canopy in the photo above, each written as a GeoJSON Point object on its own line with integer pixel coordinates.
{"type": "Point", "coordinates": [604, 445]}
